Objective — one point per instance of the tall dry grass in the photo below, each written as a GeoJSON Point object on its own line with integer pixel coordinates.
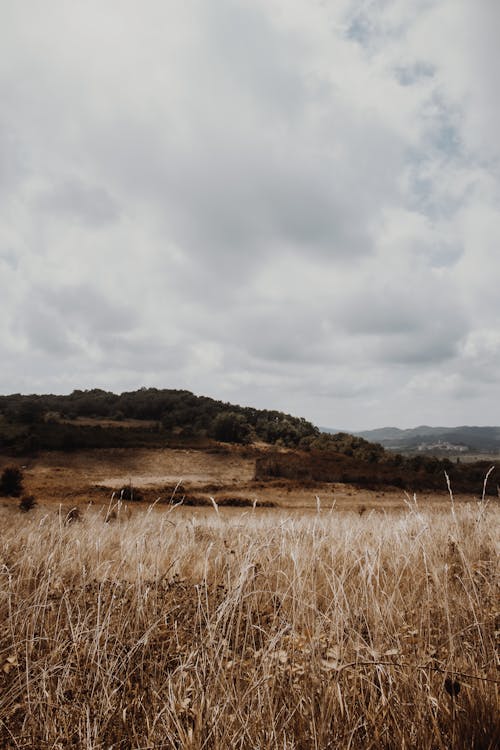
{"type": "Point", "coordinates": [250, 630]}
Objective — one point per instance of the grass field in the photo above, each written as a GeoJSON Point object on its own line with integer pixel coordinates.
{"type": "Point", "coordinates": [56, 477]}
{"type": "Point", "coordinates": [267, 629]}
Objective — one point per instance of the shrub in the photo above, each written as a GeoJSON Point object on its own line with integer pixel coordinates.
{"type": "Point", "coordinates": [229, 427]}
{"type": "Point", "coordinates": [73, 515]}
{"type": "Point", "coordinates": [130, 493]}
{"type": "Point", "coordinates": [11, 482]}
{"type": "Point", "coordinates": [28, 502]}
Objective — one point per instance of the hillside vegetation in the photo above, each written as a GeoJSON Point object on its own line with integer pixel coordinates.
{"type": "Point", "coordinates": [372, 469]}
{"type": "Point", "coordinates": [153, 418]}
{"type": "Point", "coordinates": [99, 419]}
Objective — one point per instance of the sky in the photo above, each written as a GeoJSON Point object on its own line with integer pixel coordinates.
{"type": "Point", "coordinates": [287, 204]}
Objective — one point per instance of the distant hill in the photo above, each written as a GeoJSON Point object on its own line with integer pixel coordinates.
{"type": "Point", "coordinates": [146, 417]}
{"type": "Point", "coordinates": [436, 439]}
{"type": "Point", "coordinates": [151, 417]}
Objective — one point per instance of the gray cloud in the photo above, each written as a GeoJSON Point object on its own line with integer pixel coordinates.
{"type": "Point", "coordinates": [67, 320]}
{"type": "Point", "coordinates": [276, 203]}
{"type": "Point", "coordinates": [87, 204]}
{"type": "Point", "coordinates": [12, 168]}
{"type": "Point", "coordinates": [410, 74]}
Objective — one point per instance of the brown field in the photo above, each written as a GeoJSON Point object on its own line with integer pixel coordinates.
{"type": "Point", "coordinates": [92, 476]}
{"type": "Point", "coordinates": [368, 620]}
{"type": "Point", "coordinates": [103, 422]}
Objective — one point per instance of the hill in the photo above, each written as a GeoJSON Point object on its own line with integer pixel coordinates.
{"type": "Point", "coordinates": [436, 439]}
{"type": "Point", "coordinates": [147, 417]}
{"type": "Point", "coordinates": [160, 418]}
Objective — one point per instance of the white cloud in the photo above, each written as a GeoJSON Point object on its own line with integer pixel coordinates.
{"type": "Point", "coordinates": [288, 204]}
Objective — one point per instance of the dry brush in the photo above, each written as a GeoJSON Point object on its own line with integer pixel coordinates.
{"type": "Point", "coordinates": [169, 629]}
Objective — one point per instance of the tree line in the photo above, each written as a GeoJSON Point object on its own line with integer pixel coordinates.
{"type": "Point", "coordinates": [46, 420]}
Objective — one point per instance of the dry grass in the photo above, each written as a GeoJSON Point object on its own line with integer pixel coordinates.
{"type": "Point", "coordinates": [249, 630]}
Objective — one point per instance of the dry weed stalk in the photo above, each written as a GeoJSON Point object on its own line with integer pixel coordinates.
{"type": "Point", "coordinates": [245, 630]}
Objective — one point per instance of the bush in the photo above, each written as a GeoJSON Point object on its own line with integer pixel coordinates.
{"type": "Point", "coordinates": [28, 502]}
{"type": "Point", "coordinates": [73, 515]}
{"type": "Point", "coordinates": [130, 493]}
{"type": "Point", "coordinates": [229, 427]}
{"type": "Point", "coordinates": [11, 482]}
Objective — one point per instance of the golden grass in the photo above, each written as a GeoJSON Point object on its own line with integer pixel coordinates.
{"type": "Point", "coordinates": [254, 630]}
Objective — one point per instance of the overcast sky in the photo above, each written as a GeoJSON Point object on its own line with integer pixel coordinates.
{"type": "Point", "coordinates": [281, 203]}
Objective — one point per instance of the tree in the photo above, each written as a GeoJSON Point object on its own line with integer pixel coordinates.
{"type": "Point", "coordinates": [11, 482]}
{"type": "Point", "coordinates": [230, 427]}
{"type": "Point", "coordinates": [26, 411]}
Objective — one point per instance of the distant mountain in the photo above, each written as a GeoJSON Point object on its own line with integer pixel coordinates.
{"type": "Point", "coordinates": [436, 439]}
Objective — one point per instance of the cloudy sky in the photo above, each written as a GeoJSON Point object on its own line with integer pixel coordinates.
{"type": "Point", "coordinates": [284, 203]}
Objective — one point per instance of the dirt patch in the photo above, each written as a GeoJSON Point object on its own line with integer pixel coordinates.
{"type": "Point", "coordinates": [93, 476]}
{"type": "Point", "coordinates": [103, 422]}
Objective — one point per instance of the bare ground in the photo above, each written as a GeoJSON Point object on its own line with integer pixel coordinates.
{"type": "Point", "coordinates": [92, 476]}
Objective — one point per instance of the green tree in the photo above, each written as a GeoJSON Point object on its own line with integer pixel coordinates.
{"type": "Point", "coordinates": [11, 481]}
{"type": "Point", "coordinates": [230, 427]}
